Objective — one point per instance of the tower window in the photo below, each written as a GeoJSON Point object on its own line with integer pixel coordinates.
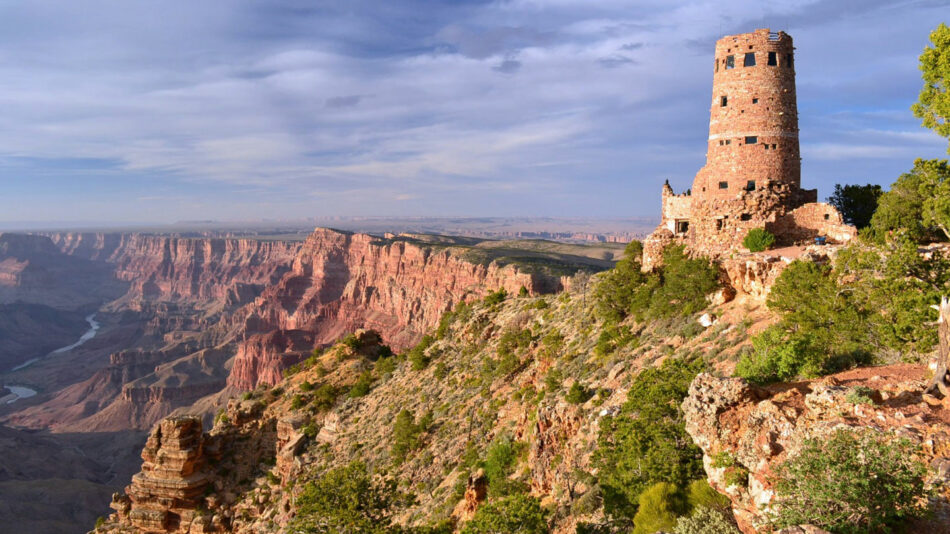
{"type": "Point", "coordinates": [827, 216]}
{"type": "Point", "coordinates": [750, 185]}
{"type": "Point", "coordinates": [755, 100]}
{"type": "Point", "coordinates": [751, 139]}
{"type": "Point", "coordinates": [773, 61]}
{"type": "Point", "coordinates": [730, 62]}
{"type": "Point", "coordinates": [749, 59]}
{"type": "Point", "coordinates": [682, 226]}
{"type": "Point", "coordinates": [719, 224]}
{"type": "Point", "coordinates": [723, 185]}
{"type": "Point", "coordinates": [773, 146]}
{"type": "Point", "coordinates": [723, 101]}
{"type": "Point", "coordinates": [788, 60]}
{"type": "Point", "coordinates": [745, 217]}
{"type": "Point", "coordinates": [728, 141]}
{"type": "Point", "coordinates": [716, 62]}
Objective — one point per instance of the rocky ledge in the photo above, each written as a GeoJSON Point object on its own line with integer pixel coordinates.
{"type": "Point", "coordinates": [760, 427]}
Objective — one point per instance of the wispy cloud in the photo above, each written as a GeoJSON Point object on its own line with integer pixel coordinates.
{"type": "Point", "coordinates": [471, 107]}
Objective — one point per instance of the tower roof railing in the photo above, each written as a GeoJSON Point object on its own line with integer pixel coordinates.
{"type": "Point", "coordinates": [773, 36]}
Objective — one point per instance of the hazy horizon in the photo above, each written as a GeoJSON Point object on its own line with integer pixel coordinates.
{"type": "Point", "coordinates": [126, 114]}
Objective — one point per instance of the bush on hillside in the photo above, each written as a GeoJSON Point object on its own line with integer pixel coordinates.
{"type": "Point", "coordinates": [659, 506]}
{"type": "Point", "coordinates": [823, 329]}
{"type": "Point", "coordinates": [678, 288]}
{"type": "Point", "coordinates": [500, 459]}
{"type": "Point", "coordinates": [705, 520]}
{"type": "Point", "coordinates": [850, 482]}
{"type": "Point", "coordinates": [578, 394]}
{"type": "Point", "coordinates": [758, 239]}
{"type": "Point", "coordinates": [646, 442]}
{"type": "Point", "coordinates": [405, 436]}
{"type": "Point", "coordinates": [517, 513]}
{"type": "Point", "coordinates": [345, 499]}
{"type": "Point", "coordinates": [362, 385]}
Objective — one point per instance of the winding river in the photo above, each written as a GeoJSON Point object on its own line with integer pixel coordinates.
{"type": "Point", "coordinates": [22, 392]}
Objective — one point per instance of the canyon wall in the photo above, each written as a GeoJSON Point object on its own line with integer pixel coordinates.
{"type": "Point", "coordinates": [160, 268]}
{"type": "Point", "coordinates": [341, 282]}
{"type": "Point", "coordinates": [215, 313]}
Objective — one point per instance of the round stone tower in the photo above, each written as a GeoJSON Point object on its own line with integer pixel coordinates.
{"type": "Point", "coordinates": [753, 121]}
{"type": "Point", "coordinates": [753, 164]}
{"type": "Point", "coordinates": [752, 177]}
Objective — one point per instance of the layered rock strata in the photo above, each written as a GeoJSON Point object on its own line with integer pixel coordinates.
{"type": "Point", "coordinates": [165, 495]}
{"type": "Point", "coordinates": [341, 282]}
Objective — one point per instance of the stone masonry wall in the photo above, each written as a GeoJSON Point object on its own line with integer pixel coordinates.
{"type": "Point", "coordinates": [809, 221]}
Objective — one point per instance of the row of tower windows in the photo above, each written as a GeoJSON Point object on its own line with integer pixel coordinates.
{"type": "Point", "coordinates": [749, 186]}
{"type": "Point", "coordinates": [724, 101]}
{"type": "Point", "coordinates": [749, 140]}
{"type": "Point", "coordinates": [748, 60]}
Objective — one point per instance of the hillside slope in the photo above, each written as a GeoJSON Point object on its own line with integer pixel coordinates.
{"type": "Point", "coordinates": [502, 371]}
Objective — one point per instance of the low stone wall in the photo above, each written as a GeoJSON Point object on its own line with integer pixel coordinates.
{"type": "Point", "coordinates": [806, 222]}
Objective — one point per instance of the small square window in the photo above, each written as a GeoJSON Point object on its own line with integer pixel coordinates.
{"type": "Point", "coordinates": [773, 61]}
{"type": "Point", "coordinates": [827, 216]}
{"type": "Point", "coordinates": [723, 185]}
{"type": "Point", "coordinates": [751, 139]}
{"type": "Point", "coordinates": [730, 62]}
{"type": "Point", "coordinates": [749, 60]}
{"type": "Point", "coordinates": [745, 217]}
{"type": "Point", "coordinates": [723, 101]}
{"type": "Point", "coordinates": [750, 185]}
{"type": "Point", "coordinates": [719, 224]}
{"type": "Point", "coordinates": [728, 141]}
{"type": "Point", "coordinates": [773, 146]}
{"type": "Point", "coordinates": [765, 146]}
{"type": "Point", "coordinates": [682, 226]}
{"type": "Point", "coordinates": [755, 100]}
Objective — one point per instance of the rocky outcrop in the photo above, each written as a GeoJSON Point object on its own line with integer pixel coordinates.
{"type": "Point", "coordinates": [166, 496]}
{"type": "Point", "coordinates": [752, 275]}
{"type": "Point", "coordinates": [761, 427]}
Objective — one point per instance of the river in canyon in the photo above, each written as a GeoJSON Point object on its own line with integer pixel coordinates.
{"type": "Point", "coordinates": [22, 392]}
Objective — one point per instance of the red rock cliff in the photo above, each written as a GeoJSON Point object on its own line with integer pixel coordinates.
{"type": "Point", "coordinates": [164, 268]}
{"type": "Point", "coordinates": [340, 282]}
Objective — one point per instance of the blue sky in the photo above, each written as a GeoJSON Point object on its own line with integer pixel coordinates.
{"type": "Point", "coordinates": [164, 111]}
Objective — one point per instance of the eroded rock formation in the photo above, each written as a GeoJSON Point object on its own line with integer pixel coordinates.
{"type": "Point", "coordinates": [762, 427]}
{"type": "Point", "coordinates": [167, 494]}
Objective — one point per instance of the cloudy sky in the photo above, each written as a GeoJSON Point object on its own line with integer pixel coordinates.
{"type": "Point", "coordinates": [163, 111]}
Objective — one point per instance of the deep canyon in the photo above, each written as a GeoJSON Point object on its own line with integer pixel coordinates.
{"type": "Point", "coordinates": [189, 323]}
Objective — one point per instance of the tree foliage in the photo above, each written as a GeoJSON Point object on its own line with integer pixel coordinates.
{"type": "Point", "coordinates": [874, 301]}
{"type": "Point", "coordinates": [646, 442]}
{"type": "Point", "coordinates": [679, 287]}
{"type": "Point", "coordinates": [659, 506]}
{"type": "Point", "coordinates": [514, 514]}
{"type": "Point", "coordinates": [345, 500]}
{"type": "Point", "coordinates": [917, 204]}
{"type": "Point", "coordinates": [933, 104]}
{"type": "Point", "coordinates": [850, 482]}
{"type": "Point", "coordinates": [758, 239]}
{"type": "Point", "coordinates": [856, 203]}
{"type": "Point", "coordinates": [406, 435]}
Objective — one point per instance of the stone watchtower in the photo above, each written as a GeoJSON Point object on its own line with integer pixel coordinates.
{"type": "Point", "coordinates": [752, 176]}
